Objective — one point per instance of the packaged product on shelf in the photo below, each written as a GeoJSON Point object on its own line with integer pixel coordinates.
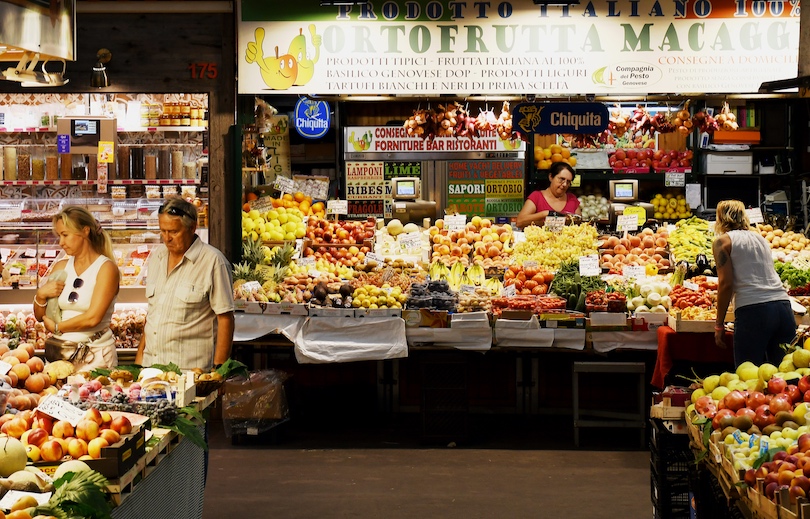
{"type": "Point", "coordinates": [152, 191]}
{"type": "Point", "coordinates": [52, 167]}
{"type": "Point", "coordinates": [10, 163]}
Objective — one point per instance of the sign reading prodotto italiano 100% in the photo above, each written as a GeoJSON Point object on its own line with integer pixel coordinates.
{"type": "Point", "coordinates": [485, 187]}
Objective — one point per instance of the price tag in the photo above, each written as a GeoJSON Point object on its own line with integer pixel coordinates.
{"type": "Point", "coordinates": [306, 262]}
{"type": "Point", "coordinates": [130, 271]}
{"type": "Point", "coordinates": [118, 254]}
{"type": "Point", "coordinates": [455, 222]}
{"type": "Point", "coordinates": [519, 236]}
{"type": "Point", "coordinates": [137, 262]}
{"type": "Point", "coordinates": [14, 271]}
{"type": "Point", "coordinates": [754, 215]}
{"type": "Point", "coordinates": [589, 265]}
{"type": "Point", "coordinates": [412, 240]}
{"type": "Point", "coordinates": [763, 444]}
{"type": "Point", "coordinates": [711, 279]}
{"type": "Point", "coordinates": [315, 273]}
{"type": "Point", "coordinates": [373, 256]}
{"type": "Point", "coordinates": [60, 409]}
{"type": "Point", "coordinates": [691, 286]}
{"type": "Point", "coordinates": [555, 223]}
{"type": "Point", "coordinates": [509, 291]}
{"type": "Point", "coordinates": [252, 286]}
{"type": "Point", "coordinates": [12, 496]}
{"type": "Point", "coordinates": [640, 212]}
{"type": "Point", "coordinates": [467, 289]}
{"type": "Point", "coordinates": [5, 367]}
{"type": "Point", "coordinates": [627, 222]}
{"type": "Point", "coordinates": [143, 249]}
{"type": "Point", "coordinates": [152, 224]}
{"type": "Point", "coordinates": [30, 253]}
{"type": "Point", "coordinates": [634, 272]}
{"type": "Point", "coordinates": [4, 254]}
{"type": "Point", "coordinates": [299, 246]}
{"type": "Point", "coordinates": [337, 207]}
{"type": "Point", "coordinates": [285, 185]}
{"type": "Point", "coordinates": [674, 179]}
{"type": "Point", "coordinates": [50, 254]}
{"type": "Point", "coordinates": [529, 264]}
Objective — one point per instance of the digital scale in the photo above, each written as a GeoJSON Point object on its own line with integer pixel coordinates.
{"type": "Point", "coordinates": [777, 203]}
{"type": "Point", "coordinates": [408, 207]}
{"type": "Point", "coordinates": [623, 194]}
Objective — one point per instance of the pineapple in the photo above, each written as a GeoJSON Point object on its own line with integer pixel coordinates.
{"type": "Point", "coordinates": [252, 252]}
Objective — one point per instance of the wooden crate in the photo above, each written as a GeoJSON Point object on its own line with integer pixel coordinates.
{"type": "Point", "coordinates": [671, 141]}
{"type": "Point", "coordinates": [544, 141]}
{"type": "Point", "coordinates": [665, 411]}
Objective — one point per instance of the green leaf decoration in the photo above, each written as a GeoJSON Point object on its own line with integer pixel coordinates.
{"type": "Point", "coordinates": [168, 367]}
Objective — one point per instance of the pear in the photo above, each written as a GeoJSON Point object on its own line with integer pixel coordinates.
{"type": "Point", "coordinates": [697, 393]}
{"type": "Point", "coordinates": [754, 385]}
{"type": "Point", "coordinates": [738, 385]}
{"type": "Point", "coordinates": [727, 377]}
{"type": "Point", "coordinates": [766, 371]}
{"type": "Point", "coordinates": [720, 392]}
{"type": "Point", "coordinates": [748, 370]}
{"type": "Point", "coordinates": [712, 381]}
{"type": "Point", "coordinates": [801, 358]}
{"type": "Point", "coordinates": [787, 364]}
{"type": "Point", "coordinates": [790, 376]}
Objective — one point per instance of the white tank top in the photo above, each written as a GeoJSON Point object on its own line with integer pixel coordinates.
{"type": "Point", "coordinates": [82, 297]}
{"type": "Point", "coordinates": [755, 280]}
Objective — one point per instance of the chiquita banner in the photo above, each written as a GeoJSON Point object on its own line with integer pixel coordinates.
{"type": "Point", "coordinates": [424, 47]}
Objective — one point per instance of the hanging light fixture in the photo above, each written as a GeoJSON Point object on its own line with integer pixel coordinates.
{"type": "Point", "coordinates": [99, 79]}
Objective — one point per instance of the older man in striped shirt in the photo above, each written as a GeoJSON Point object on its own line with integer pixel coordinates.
{"type": "Point", "coordinates": [189, 289]}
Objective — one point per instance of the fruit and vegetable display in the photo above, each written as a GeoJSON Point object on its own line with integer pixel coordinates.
{"type": "Point", "coordinates": [545, 157]}
{"type": "Point", "coordinates": [549, 249]}
{"type": "Point", "coordinates": [691, 238]}
{"type": "Point", "coordinates": [594, 207]}
{"type": "Point", "coordinates": [573, 288]}
{"type": "Point", "coordinates": [534, 304]}
{"type": "Point", "coordinates": [480, 242]}
{"type": "Point", "coordinates": [527, 279]}
{"type": "Point", "coordinates": [645, 248]}
{"type": "Point", "coordinates": [785, 245]}
{"type": "Point", "coordinates": [433, 294]}
{"type": "Point", "coordinates": [670, 206]}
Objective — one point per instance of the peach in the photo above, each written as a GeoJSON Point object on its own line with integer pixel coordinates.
{"type": "Point", "coordinates": [51, 377]}
{"type": "Point", "coordinates": [51, 450]}
{"type": "Point", "coordinates": [44, 421]}
{"type": "Point", "coordinates": [33, 453]}
{"type": "Point", "coordinates": [87, 430]}
{"type": "Point", "coordinates": [35, 437]}
{"type": "Point", "coordinates": [86, 457]}
{"type": "Point", "coordinates": [110, 435]}
{"type": "Point", "coordinates": [94, 415]}
{"type": "Point", "coordinates": [106, 419]}
{"type": "Point", "coordinates": [22, 370]}
{"type": "Point", "coordinates": [77, 447]}
{"type": "Point", "coordinates": [64, 442]}
{"type": "Point", "coordinates": [19, 402]}
{"type": "Point", "coordinates": [63, 429]}
{"type": "Point", "coordinates": [35, 383]}
{"type": "Point", "coordinates": [28, 347]}
{"type": "Point", "coordinates": [14, 427]}
{"type": "Point", "coordinates": [36, 364]}
{"type": "Point", "coordinates": [21, 354]}
{"type": "Point", "coordinates": [121, 425]}
{"type": "Point", "coordinates": [28, 415]}
{"type": "Point", "coordinates": [95, 446]}
{"type": "Point", "coordinates": [12, 378]}
{"type": "Point", "coordinates": [33, 398]}
{"type": "Point", "coordinates": [3, 349]}
{"type": "Point", "coordinates": [6, 418]}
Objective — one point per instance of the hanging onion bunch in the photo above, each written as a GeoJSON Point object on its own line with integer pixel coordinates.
{"type": "Point", "coordinates": [641, 122]}
{"type": "Point", "coordinates": [421, 124]}
{"type": "Point", "coordinates": [446, 120]}
{"type": "Point", "coordinates": [682, 122]}
{"type": "Point", "coordinates": [617, 121]}
{"type": "Point", "coordinates": [726, 119]}
{"type": "Point", "coordinates": [705, 122]}
{"type": "Point", "coordinates": [466, 125]}
{"type": "Point", "coordinates": [503, 126]}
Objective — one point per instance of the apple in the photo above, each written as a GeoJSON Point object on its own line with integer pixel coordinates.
{"type": "Point", "coordinates": [62, 429]}
{"type": "Point", "coordinates": [77, 448]}
{"type": "Point", "coordinates": [94, 447]}
{"type": "Point", "coordinates": [87, 429]}
{"type": "Point", "coordinates": [121, 425]}
{"type": "Point", "coordinates": [51, 450]}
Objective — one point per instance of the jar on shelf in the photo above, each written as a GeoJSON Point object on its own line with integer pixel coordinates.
{"type": "Point", "coordinates": [136, 166]}
{"type": "Point", "coordinates": [177, 164]}
{"type": "Point", "coordinates": [177, 120]}
{"type": "Point", "coordinates": [24, 163]}
{"type": "Point", "coordinates": [150, 165]}
{"type": "Point", "coordinates": [164, 163]}
{"type": "Point", "coordinates": [185, 120]}
{"type": "Point", "coordinates": [51, 165]}
{"type": "Point", "coordinates": [153, 192]}
{"type": "Point", "coordinates": [65, 166]}
{"type": "Point", "coordinates": [145, 114]}
{"type": "Point", "coordinates": [118, 192]}
{"type": "Point", "coordinates": [165, 119]}
{"type": "Point", "coordinates": [10, 163]}
{"type": "Point", "coordinates": [37, 164]}
{"type": "Point", "coordinates": [123, 162]}
{"type": "Point", "coordinates": [185, 108]}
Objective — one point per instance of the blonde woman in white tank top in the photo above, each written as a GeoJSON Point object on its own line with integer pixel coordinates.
{"type": "Point", "coordinates": [87, 296]}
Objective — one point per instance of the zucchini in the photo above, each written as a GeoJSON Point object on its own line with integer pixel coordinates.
{"type": "Point", "coordinates": [581, 302]}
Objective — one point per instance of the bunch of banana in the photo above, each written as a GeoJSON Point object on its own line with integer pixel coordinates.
{"type": "Point", "coordinates": [438, 271]}
{"type": "Point", "coordinates": [457, 277]}
{"type": "Point", "coordinates": [476, 275]}
{"type": "Point", "coordinates": [690, 238]}
{"type": "Point", "coordinates": [494, 285]}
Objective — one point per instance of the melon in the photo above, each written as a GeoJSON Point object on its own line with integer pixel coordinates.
{"type": "Point", "coordinates": [12, 456]}
{"type": "Point", "coordinates": [70, 466]}
{"type": "Point", "coordinates": [410, 227]}
{"type": "Point", "coordinates": [395, 227]}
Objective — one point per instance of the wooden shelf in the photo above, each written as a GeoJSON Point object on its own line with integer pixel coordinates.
{"type": "Point", "coordinates": [121, 182]}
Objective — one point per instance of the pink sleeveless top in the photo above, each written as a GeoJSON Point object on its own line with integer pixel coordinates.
{"type": "Point", "coordinates": [542, 204]}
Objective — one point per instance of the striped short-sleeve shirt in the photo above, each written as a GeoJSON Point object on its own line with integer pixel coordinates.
{"type": "Point", "coordinates": [183, 305]}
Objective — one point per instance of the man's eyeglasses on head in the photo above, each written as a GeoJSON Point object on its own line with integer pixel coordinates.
{"type": "Point", "coordinates": [174, 211]}
{"type": "Point", "coordinates": [74, 296]}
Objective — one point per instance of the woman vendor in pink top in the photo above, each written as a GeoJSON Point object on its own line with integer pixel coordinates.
{"type": "Point", "coordinates": [554, 199]}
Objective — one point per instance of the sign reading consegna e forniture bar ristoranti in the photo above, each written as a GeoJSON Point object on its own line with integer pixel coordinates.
{"type": "Point", "coordinates": [466, 47]}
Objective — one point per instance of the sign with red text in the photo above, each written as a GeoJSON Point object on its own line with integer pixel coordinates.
{"type": "Point", "coordinates": [514, 47]}
{"type": "Point", "coordinates": [485, 187]}
{"type": "Point", "coordinates": [395, 139]}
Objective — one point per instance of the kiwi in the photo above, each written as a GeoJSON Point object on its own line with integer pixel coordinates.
{"type": "Point", "coordinates": [728, 430]}
{"type": "Point", "coordinates": [346, 290]}
{"type": "Point", "coordinates": [726, 421]}
{"type": "Point", "coordinates": [754, 430]}
{"type": "Point", "coordinates": [771, 429]}
{"type": "Point", "coordinates": [782, 416]}
{"type": "Point", "coordinates": [742, 422]}
{"type": "Point", "coordinates": [790, 424]}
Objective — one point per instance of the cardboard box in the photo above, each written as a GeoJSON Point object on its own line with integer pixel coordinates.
{"type": "Point", "coordinates": [323, 311]}
{"type": "Point", "coordinates": [425, 317]}
{"type": "Point", "coordinates": [563, 319]}
{"type": "Point", "coordinates": [377, 312]}
{"type": "Point", "coordinates": [647, 321]}
{"type": "Point", "coordinates": [247, 399]}
{"type": "Point", "coordinates": [737, 137]}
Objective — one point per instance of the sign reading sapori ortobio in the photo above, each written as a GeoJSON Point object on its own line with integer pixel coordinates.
{"type": "Point", "coordinates": [425, 47]}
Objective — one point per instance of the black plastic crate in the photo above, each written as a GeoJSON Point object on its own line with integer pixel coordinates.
{"type": "Point", "coordinates": [445, 397]}
{"type": "Point", "coordinates": [670, 454]}
{"type": "Point", "coordinates": [670, 501]}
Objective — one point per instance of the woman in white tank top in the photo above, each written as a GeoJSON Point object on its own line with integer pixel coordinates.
{"type": "Point", "coordinates": [87, 295]}
{"type": "Point", "coordinates": [763, 316]}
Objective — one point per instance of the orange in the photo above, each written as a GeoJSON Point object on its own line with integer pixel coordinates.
{"type": "Point", "coordinates": [304, 207]}
{"type": "Point", "coordinates": [556, 158]}
{"type": "Point", "coordinates": [276, 202]}
{"type": "Point", "coordinates": [246, 207]}
{"type": "Point", "coordinates": [251, 196]}
{"type": "Point", "coordinates": [299, 196]}
{"type": "Point", "coordinates": [556, 148]}
{"type": "Point", "coordinates": [317, 207]}
{"type": "Point", "coordinates": [288, 196]}
{"type": "Point", "coordinates": [565, 153]}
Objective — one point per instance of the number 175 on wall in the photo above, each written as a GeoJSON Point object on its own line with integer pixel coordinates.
{"type": "Point", "coordinates": [204, 70]}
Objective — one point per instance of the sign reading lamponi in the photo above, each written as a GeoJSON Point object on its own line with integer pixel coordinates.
{"type": "Point", "coordinates": [430, 47]}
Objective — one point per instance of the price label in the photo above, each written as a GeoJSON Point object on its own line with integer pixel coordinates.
{"type": "Point", "coordinates": [5, 367]}
{"type": "Point", "coordinates": [118, 254]}
{"type": "Point", "coordinates": [691, 286]}
{"type": "Point", "coordinates": [306, 262]}
{"type": "Point", "coordinates": [252, 286]}
{"type": "Point", "coordinates": [589, 265]}
{"type": "Point", "coordinates": [509, 291]}
{"type": "Point", "coordinates": [519, 236]}
{"type": "Point", "coordinates": [674, 179]}
{"type": "Point", "coordinates": [4, 254]}
{"type": "Point", "coordinates": [51, 253]}
{"type": "Point", "coordinates": [143, 249]}
{"type": "Point", "coordinates": [373, 256]}
{"type": "Point", "coordinates": [455, 222]}
{"type": "Point", "coordinates": [285, 185]}
{"type": "Point", "coordinates": [14, 271]}
{"type": "Point", "coordinates": [634, 272]}
{"type": "Point", "coordinates": [30, 253]}
{"type": "Point", "coordinates": [130, 271]}
{"type": "Point", "coordinates": [137, 262]}
{"type": "Point", "coordinates": [152, 224]}
{"type": "Point", "coordinates": [467, 289]}
{"type": "Point", "coordinates": [315, 273]}
{"type": "Point", "coordinates": [627, 222]}
{"type": "Point", "coordinates": [299, 246]}
{"type": "Point", "coordinates": [555, 223]}
{"type": "Point", "coordinates": [60, 409]}
{"type": "Point", "coordinates": [412, 240]}
{"type": "Point", "coordinates": [754, 215]}
{"type": "Point", "coordinates": [529, 264]}
{"type": "Point", "coordinates": [12, 496]}
{"type": "Point", "coordinates": [337, 207]}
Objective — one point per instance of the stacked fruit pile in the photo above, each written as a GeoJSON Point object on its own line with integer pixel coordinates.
{"type": "Point", "coordinates": [480, 242]}
{"type": "Point", "coordinates": [545, 157]}
{"type": "Point", "coordinates": [690, 239]}
{"type": "Point", "coordinates": [528, 280]}
{"type": "Point", "coordinates": [549, 248]}
{"type": "Point", "coordinates": [646, 247]}
{"type": "Point", "coordinates": [670, 206]}
{"type": "Point", "coordinates": [274, 225]}
{"type": "Point", "coordinates": [785, 245]}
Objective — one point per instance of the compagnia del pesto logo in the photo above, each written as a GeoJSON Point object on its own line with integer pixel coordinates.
{"type": "Point", "coordinates": [635, 74]}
